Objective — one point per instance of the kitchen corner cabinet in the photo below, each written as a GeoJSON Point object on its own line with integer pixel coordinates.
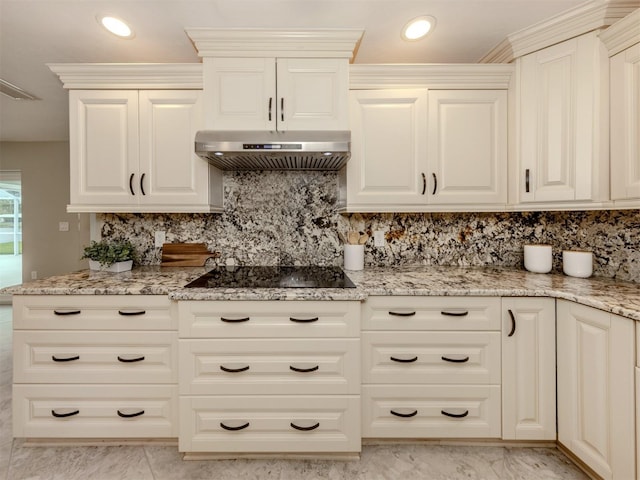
{"type": "Point", "coordinates": [427, 150]}
{"type": "Point", "coordinates": [563, 124]}
{"type": "Point", "coordinates": [528, 369]}
{"type": "Point", "coordinates": [132, 151]}
{"type": "Point", "coordinates": [596, 391]}
{"type": "Point", "coordinates": [276, 93]}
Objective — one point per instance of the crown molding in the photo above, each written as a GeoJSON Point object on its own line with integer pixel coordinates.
{"type": "Point", "coordinates": [453, 76]}
{"type": "Point", "coordinates": [257, 42]}
{"type": "Point", "coordinates": [129, 75]}
{"type": "Point", "coordinates": [622, 34]}
{"type": "Point", "coordinates": [586, 17]}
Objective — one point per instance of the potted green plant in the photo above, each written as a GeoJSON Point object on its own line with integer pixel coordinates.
{"type": "Point", "coordinates": [110, 255]}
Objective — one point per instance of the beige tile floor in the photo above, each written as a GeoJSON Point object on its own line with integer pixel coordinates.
{"type": "Point", "coordinates": [393, 462]}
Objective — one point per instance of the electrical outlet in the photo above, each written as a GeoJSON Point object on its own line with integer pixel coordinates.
{"type": "Point", "coordinates": [378, 238]}
{"type": "Point", "coordinates": [63, 226]}
{"type": "Point", "coordinates": [160, 238]}
{"type": "Point", "coordinates": [34, 275]}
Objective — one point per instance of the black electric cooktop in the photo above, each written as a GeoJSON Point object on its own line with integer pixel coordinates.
{"type": "Point", "coordinates": [273, 277]}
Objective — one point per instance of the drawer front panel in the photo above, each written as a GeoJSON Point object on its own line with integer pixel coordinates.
{"type": "Point", "coordinates": [431, 313]}
{"type": "Point", "coordinates": [431, 357]}
{"type": "Point", "coordinates": [228, 319]}
{"type": "Point", "coordinates": [95, 357]}
{"type": "Point", "coordinates": [48, 411]}
{"type": "Point", "coordinates": [473, 411]}
{"type": "Point", "coordinates": [270, 366]}
{"type": "Point", "coordinates": [264, 424]}
{"type": "Point", "coordinates": [94, 312]}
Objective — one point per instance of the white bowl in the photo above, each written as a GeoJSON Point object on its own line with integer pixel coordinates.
{"type": "Point", "coordinates": [577, 263]}
{"type": "Point", "coordinates": [538, 258]}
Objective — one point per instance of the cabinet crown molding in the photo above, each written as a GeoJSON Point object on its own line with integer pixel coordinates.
{"type": "Point", "coordinates": [129, 75]}
{"type": "Point", "coordinates": [258, 42]}
{"type": "Point", "coordinates": [576, 21]}
{"type": "Point", "coordinates": [622, 34]}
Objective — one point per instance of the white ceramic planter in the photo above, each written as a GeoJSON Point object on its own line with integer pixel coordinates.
{"type": "Point", "coordinates": [114, 267]}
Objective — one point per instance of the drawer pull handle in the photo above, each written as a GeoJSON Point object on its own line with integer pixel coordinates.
{"type": "Point", "coordinates": [235, 320]}
{"type": "Point", "coordinates": [305, 429]}
{"type": "Point", "coordinates": [131, 313]}
{"type": "Point", "coordinates": [130, 360]}
{"type": "Point", "coordinates": [65, 359]}
{"type": "Point", "coordinates": [513, 323]}
{"type": "Point", "coordinates": [404, 360]}
{"type": "Point", "coordinates": [455, 360]}
{"type": "Point", "coordinates": [234, 429]}
{"type": "Point", "coordinates": [66, 312]}
{"type": "Point", "coordinates": [454, 314]}
{"type": "Point", "coordinates": [402, 314]}
{"type": "Point", "coordinates": [130, 415]}
{"type": "Point", "coordinates": [64, 415]}
{"type": "Point", "coordinates": [404, 415]}
{"type": "Point", "coordinates": [304, 370]}
{"type": "Point", "coordinates": [455, 415]}
{"type": "Point", "coordinates": [304, 320]}
{"type": "Point", "coordinates": [234, 370]}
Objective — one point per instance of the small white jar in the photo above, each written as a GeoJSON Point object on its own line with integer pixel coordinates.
{"type": "Point", "coordinates": [577, 263]}
{"type": "Point", "coordinates": [538, 258]}
{"type": "Point", "coordinates": [353, 257]}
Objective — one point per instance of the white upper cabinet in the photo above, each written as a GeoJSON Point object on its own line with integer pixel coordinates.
{"type": "Point", "coordinates": [563, 124]}
{"type": "Point", "coordinates": [277, 93]}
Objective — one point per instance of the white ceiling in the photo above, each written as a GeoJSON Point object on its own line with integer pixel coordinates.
{"type": "Point", "coordinates": [36, 32]}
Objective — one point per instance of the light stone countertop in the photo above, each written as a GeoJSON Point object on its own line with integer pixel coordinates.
{"type": "Point", "coordinates": [621, 298]}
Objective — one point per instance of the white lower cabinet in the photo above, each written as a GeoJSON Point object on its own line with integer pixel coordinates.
{"type": "Point", "coordinates": [269, 376]}
{"type": "Point", "coordinates": [596, 392]}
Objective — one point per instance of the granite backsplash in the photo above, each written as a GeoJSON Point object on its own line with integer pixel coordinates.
{"type": "Point", "coordinates": [290, 218]}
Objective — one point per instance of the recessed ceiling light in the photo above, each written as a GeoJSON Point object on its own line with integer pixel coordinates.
{"type": "Point", "coordinates": [115, 26]}
{"type": "Point", "coordinates": [418, 28]}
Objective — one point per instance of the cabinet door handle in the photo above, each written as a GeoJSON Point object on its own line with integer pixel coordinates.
{"type": "Point", "coordinates": [404, 415]}
{"type": "Point", "coordinates": [235, 320]}
{"type": "Point", "coordinates": [234, 429]}
{"type": "Point", "coordinates": [435, 184]}
{"type": "Point", "coordinates": [513, 323]}
{"type": "Point", "coordinates": [234, 370]}
{"type": "Point", "coordinates": [304, 320]}
{"type": "Point", "coordinates": [526, 180]}
{"type": "Point", "coordinates": [455, 415]}
{"type": "Point", "coordinates": [270, 102]}
{"type": "Point", "coordinates": [402, 314]}
{"type": "Point", "coordinates": [424, 183]}
{"type": "Point", "coordinates": [304, 370]}
{"type": "Point", "coordinates": [66, 312]}
{"type": "Point", "coordinates": [131, 184]}
{"type": "Point", "coordinates": [130, 415]}
{"type": "Point", "coordinates": [305, 429]}
{"type": "Point", "coordinates": [64, 415]}
{"type": "Point", "coordinates": [130, 360]}
{"type": "Point", "coordinates": [404, 360]}
{"type": "Point", "coordinates": [282, 109]}
{"type": "Point", "coordinates": [131, 313]}
{"type": "Point", "coordinates": [65, 359]}
{"type": "Point", "coordinates": [142, 184]}
{"type": "Point", "coordinates": [449, 313]}
{"type": "Point", "coordinates": [455, 360]}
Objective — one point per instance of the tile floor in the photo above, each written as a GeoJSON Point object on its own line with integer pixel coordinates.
{"type": "Point", "coordinates": [393, 462]}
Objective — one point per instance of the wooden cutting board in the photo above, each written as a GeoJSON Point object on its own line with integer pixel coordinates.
{"type": "Point", "coordinates": [186, 254]}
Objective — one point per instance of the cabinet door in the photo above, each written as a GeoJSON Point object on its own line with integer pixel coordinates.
{"type": "Point", "coordinates": [625, 124]}
{"type": "Point", "coordinates": [563, 144]}
{"type": "Point", "coordinates": [170, 171]}
{"type": "Point", "coordinates": [312, 94]}
{"type": "Point", "coordinates": [103, 143]}
{"type": "Point", "coordinates": [528, 369]}
{"type": "Point", "coordinates": [388, 147]}
{"type": "Point", "coordinates": [240, 93]}
{"type": "Point", "coordinates": [596, 394]}
{"type": "Point", "coordinates": [467, 146]}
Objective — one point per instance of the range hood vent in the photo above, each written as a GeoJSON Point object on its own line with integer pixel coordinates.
{"type": "Point", "coordinates": [263, 150]}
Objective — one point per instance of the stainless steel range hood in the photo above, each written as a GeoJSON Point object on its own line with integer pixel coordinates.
{"type": "Point", "coordinates": [264, 150]}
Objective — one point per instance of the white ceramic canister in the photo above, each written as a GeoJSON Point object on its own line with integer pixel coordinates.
{"type": "Point", "coordinates": [577, 263]}
{"type": "Point", "coordinates": [538, 258]}
{"type": "Point", "coordinates": [353, 257]}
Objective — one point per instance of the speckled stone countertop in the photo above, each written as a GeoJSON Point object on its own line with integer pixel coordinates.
{"type": "Point", "coordinates": [622, 298]}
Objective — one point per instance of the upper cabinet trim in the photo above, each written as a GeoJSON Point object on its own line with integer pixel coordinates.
{"type": "Point", "coordinates": [569, 24]}
{"type": "Point", "coordinates": [622, 34]}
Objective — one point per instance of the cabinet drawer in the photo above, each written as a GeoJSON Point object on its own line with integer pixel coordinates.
{"type": "Point", "coordinates": [95, 357]}
{"type": "Point", "coordinates": [431, 357]}
{"type": "Point", "coordinates": [229, 319]}
{"type": "Point", "coordinates": [431, 313]}
{"type": "Point", "coordinates": [421, 411]}
{"type": "Point", "coordinates": [264, 424]}
{"type": "Point", "coordinates": [270, 366]}
{"type": "Point", "coordinates": [94, 312]}
{"type": "Point", "coordinates": [48, 411]}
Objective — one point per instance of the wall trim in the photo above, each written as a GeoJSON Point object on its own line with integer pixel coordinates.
{"type": "Point", "coordinates": [622, 34]}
